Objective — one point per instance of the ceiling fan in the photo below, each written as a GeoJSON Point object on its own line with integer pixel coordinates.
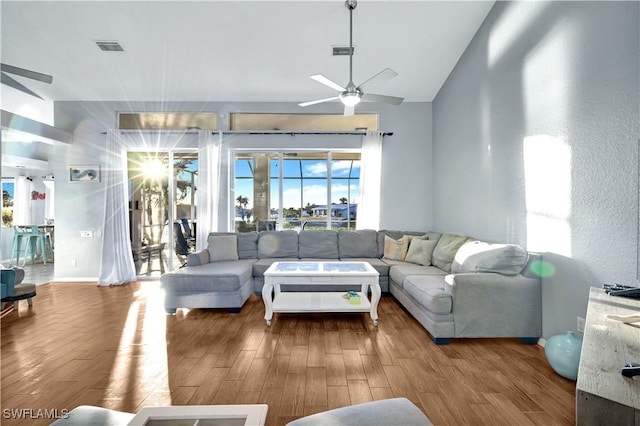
{"type": "Point", "coordinates": [9, 81]}
{"type": "Point", "coordinates": [351, 95]}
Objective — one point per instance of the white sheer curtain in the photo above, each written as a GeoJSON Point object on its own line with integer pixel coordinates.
{"type": "Point", "coordinates": [49, 201]}
{"type": "Point", "coordinates": [209, 147]}
{"type": "Point", "coordinates": [370, 176]}
{"type": "Point", "coordinates": [117, 265]}
{"type": "Point", "coordinates": [22, 201]}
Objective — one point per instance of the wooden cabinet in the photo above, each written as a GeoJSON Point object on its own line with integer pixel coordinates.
{"type": "Point", "coordinates": [603, 395]}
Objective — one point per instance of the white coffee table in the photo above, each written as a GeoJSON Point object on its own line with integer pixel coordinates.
{"type": "Point", "coordinates": [359, 274]}
{"type": "Point", "coordinates": [202, 415]}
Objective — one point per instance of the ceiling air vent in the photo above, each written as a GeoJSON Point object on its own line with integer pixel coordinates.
{"type": "Point", "coordinates": [342, 50]}
{"type": "Point", "coordinates": [110, 46]}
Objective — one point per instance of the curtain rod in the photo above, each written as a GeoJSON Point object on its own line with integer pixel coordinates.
{"type": "Point", "coordinates": [298, 132]}
{"type": "Point", "coordinates": [255, 132]}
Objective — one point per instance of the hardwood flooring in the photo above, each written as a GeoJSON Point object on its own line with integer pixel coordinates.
{"type": "Point", "coordinates": [116, 348]}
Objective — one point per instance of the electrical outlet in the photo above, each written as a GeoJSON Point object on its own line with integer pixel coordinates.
{"type": "Point", "coordinates": [86, 234]}
{"type": "Point", "coordinates": [580, 325]}
{"type": "Point", "coordinates": [74, 263]}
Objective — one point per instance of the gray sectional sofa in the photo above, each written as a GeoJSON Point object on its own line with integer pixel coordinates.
{"type": "Point", "coordinates": [453, 285]}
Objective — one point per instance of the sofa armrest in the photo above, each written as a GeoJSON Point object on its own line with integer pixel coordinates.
{"type": "Point", "coordinates": [198, 258]}
{"type": "Point", "coordinates": [495, 305]}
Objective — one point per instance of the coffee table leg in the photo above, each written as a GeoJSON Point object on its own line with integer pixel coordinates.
{"type": "Point", "coordinates": [375, 298]}
{"type": "Point", "coordinates": [267, 289]}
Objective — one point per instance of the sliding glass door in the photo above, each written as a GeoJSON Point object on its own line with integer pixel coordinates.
{"type": "Point", "coordinates": [162, 209]}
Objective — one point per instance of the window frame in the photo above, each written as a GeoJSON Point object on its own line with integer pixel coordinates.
{"type": "Point", "coordinates": [341, 154]}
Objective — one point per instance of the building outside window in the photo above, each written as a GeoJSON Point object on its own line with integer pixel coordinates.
{"type": "Point", "coordinates": [8, 188]}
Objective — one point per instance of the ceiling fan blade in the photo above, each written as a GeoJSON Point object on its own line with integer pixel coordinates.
{"type": "Point", "coordinates": [319, 101]}
{"type": "Point", "coordinates": [324, 80]}
{"type": "Point", "coordinates": [26, 73]}
{"type": "Point", "coordinates": [349, 110]}
{"type": "Point", "coordinates": [370, 97]}
{"type": "Point", "coordinates": [384, 75]}
{"type": "Point", "coordinates": [5, 79]}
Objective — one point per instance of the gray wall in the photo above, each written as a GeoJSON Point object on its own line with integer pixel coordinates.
{"type": "Point", "coordinates": [535, 142]}
{"type": "Point", "coordinates": [406, 173]}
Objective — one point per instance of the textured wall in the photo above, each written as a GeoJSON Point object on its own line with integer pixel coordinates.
{"type": "Point", "coordinates": [535, 142]}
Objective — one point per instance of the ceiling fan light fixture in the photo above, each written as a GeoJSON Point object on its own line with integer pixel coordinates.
{"type": "Point", "coordinates": [350, 99]}
{"type": "Point", "coordinates": [351, 95]}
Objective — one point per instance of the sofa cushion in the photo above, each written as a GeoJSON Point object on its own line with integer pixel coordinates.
{"type": "Point", "coordinates": [277, 244]}
{"type": "Point", "coordinates": [385, 412]}
{"type": "Point", "coordinates": [428, 291]}
{"type": "Point", "coordinates": [446, 249]}
{"type": "Point", "coordinates": [262, 265]}
{"type": "Point", "coordinates": [420, 251]}
{"type": "Point", "coordinates": [84, 415]}
{"type": "Point", "coordinates": [247, 245]}
{"type": "Point", "coordinates": [222, 247]}
{"type": "Point", "coordinates": [321, 244]}
{"type": "Point", "coordinates": [215, 276]}
{"type": "Point", "coordinates": [395, 249]}
{"type": "Point", "coordinates": [478, 256]}
{"type": "Point", "coordinates": [362, 244]}
{"type": "Point", "coordinates": [433, 235]}
{"type": "Point", "coordinates": [400, 270]}
{"type": "Point", "coordinates": [379, 265]}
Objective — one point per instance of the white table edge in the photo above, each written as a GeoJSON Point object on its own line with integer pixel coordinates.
{"type": "Point", "coordinates": [255, 414]}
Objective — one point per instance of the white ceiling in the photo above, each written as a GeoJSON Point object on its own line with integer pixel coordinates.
{"type": "Point", "coordinates": [234, 51]}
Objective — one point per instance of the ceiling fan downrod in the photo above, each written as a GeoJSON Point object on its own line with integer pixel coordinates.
{"type": "Point", "coordinates": [351, 4]}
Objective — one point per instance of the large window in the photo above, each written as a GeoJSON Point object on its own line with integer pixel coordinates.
{"type": "Point", "coordinates": [8, 188]}
{"type": "Point", "coordinates": [167, 120]}
{"type": "Point", "coordinates": [302, 122]}
{"type": "Point", "coordinates": [296, 190]}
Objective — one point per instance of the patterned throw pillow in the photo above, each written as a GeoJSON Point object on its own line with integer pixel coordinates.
{"type": "Point", "coordinates": [395, 249]}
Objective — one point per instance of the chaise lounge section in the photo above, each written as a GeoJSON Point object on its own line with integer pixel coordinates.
{"type": "Point", "coordinates": [454, 286]}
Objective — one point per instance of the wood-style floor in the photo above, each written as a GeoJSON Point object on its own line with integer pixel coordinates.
{"type": "Point", "coordinates": [115, 347]}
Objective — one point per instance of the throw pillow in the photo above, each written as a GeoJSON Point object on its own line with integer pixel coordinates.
{"type": "Point", "coordinates": [433, 235]}
{"type": "Point", "coordinates": [420, 251]}
{"type": "Point", "coordinates": [395, 249]}
{"type": "Point", "coordinates": [222, 247]}
{"type": "Point", "coordinates": [445, 250]}
{"type": "Point", "coordinates": [478, 256]}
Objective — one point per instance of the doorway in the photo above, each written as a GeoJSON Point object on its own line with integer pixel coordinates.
{"type": "Point", "coordinates": [162, 209]}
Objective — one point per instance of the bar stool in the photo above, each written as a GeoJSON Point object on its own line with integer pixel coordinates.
{"type": "Point", "coordinates": [22, 237]}
{"type": "Point", "coordinates": [43, 237]}
{"type": "Point", "coordinates": [27, 240]}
